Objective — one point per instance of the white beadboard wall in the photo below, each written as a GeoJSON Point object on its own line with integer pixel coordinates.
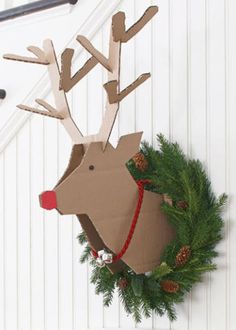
{"type": "Point", "coordinates": [190, 49]}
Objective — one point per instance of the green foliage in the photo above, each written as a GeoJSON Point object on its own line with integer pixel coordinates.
{"type": "Point", "coordinates": [86, 254]}
{"type": "Point", "coordinates": [82, 238]}
{"type": "Point", "coordinates": [137, 285]}
{"type": "Point", "coordinates": [199, 226]}
{"type": "Point", "coordinates": [161, 271]}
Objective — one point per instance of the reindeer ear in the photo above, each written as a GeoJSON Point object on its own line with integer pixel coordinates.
{"type": "Point", "coordinates": [128, 146]}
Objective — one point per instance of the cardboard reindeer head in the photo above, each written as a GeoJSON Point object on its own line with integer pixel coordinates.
{"type": "Point", "coordinates": [97, 185]}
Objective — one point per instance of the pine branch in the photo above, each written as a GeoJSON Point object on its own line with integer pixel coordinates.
{"type": "Point", "coordinates": [82, 238]}
{"type": "Point", "coordinates": [86, 254]}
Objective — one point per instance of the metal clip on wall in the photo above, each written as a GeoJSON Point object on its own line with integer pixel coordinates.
{"type": "Point", "coordinates": [32, 7]}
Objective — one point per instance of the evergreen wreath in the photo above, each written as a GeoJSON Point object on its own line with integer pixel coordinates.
{"type": "Point", "coordinates": [194, 211]}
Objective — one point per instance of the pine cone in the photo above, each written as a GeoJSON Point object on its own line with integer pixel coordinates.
{"type": "Point", "coordinates": [183, 256]}
{"type": "Point", "coordinates": [123, 283]}
{"type": "Point", "coordinates": [170, 286]}
{"type": "Point", "coordinates": [140, 162]}
{"type": "Point", "coordinates": [182, 205]}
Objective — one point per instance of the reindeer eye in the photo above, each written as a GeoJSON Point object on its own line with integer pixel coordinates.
{"type": "Point", "coordinates": [91, 167]}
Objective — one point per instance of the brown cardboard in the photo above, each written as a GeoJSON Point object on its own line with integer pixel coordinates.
{"type": "Point", "coordinates": [108, 196]}
{"type": "Point", "coordinates": [63, 80]}
{"type": "Point", "coordinates": [61, 111]}
{"type": "Point", "coordinates": [111, 109]}
{"type": "Point", "coordinates": [51, 112]}
{"type": "Point", "coordinates": [40, 56]}
{"type": "Point", "coordinates": [76, 158]}
{"type": "Point", "coordinates": [97, 186]}
{"type": "Point", "coordinates": [94, 239]}
{"type": "Point", "coordinates": [96, 242]}
{"type": "Point", "coordinates": [118, 23]}
{"type": "Point", "coordinates": [67, 82]}
{"type": "Point", "coordinates": [40, 112]}
{"type": "Point", "coordinates": [112, 86]}
{"type": "Point", "coordinates": [93, 51]}
{"type": "Point", "coordinates": [112, 64]}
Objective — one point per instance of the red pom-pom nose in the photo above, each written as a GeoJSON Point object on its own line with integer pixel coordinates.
{"type": "Point", "coordinates": [48, 200]}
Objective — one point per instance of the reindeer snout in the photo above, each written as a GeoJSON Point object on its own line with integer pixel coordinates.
{"type": "Point", "coordinates": [48, 200]}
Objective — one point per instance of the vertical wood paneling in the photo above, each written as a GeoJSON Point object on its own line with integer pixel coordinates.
{"type": "Point", "coordinates": [217, 151]}
{"type": "Point", "coordinates": [52, 317]}
{"type": "Point", "coordinates": [2, 243]}
{"type": "Point", "coordinates": [190, 50]}
{"type": "Point", "coordinates": [197, 128]}
{"type": "Point", "coordinates": [37, 175]}
{"type": "Point", "coordinates": [178, 73]}
{"type": "Point", "coordinates": [231, 178]}
{"type": "Point", "coordinates": [11, 239]}
{"type": "Point", "coordinates": [161, 70]}
{"type": "Point", "coordinates": [178, 12]}
{"type": "Point", "coordinates": [24, 228]}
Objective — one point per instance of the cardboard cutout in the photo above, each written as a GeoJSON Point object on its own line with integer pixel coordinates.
{"type": "Point", "coordinates": [97, 186]}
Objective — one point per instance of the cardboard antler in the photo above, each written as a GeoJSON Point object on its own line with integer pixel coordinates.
{"type": "Point", "coordinates": [112, 65]}
{"type": "Point", "coordinates": [112, 86]}
{"type": "Point", "coordinates": [63, 81]}
{"type": "Point", "coordinates": [47, 57]}
{"type": "Point", "coordinates": [119, 30]}
{"type": "Point", "coordinates": [119, 35]}
{"type": "Point", "coordinates": [67, 82]}
{"type": "Point", "coordinates": [39, 59]}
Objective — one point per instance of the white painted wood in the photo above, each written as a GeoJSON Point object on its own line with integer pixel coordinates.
{"type": "Point", "coordinates": [11, 239]}
{"type": "Point", "coordinates": [52, 316]}
{"type": "Point", "coordinates": [179, 111]}
{"type": "Point", "coordinates": [9, 4]}
{"type": "Point", "coordinates": [217, 149]}
{"type": "Point", "coordinates": [23, 208]}
{"type": "Point", "coordinates": [16, 3]}
{"type": "Point", "coordinates": [65, 245]}
{"type": "Point", "coordinates": [190, 50]}
{"type": "Point", "coordinates": [231, 160]}
{"type": "Point", "coordinates": [2, 244]}
{"type": "Point", "coordinates": [37, 178]}
{"type": "Point", "coordinates": [197, 128]}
